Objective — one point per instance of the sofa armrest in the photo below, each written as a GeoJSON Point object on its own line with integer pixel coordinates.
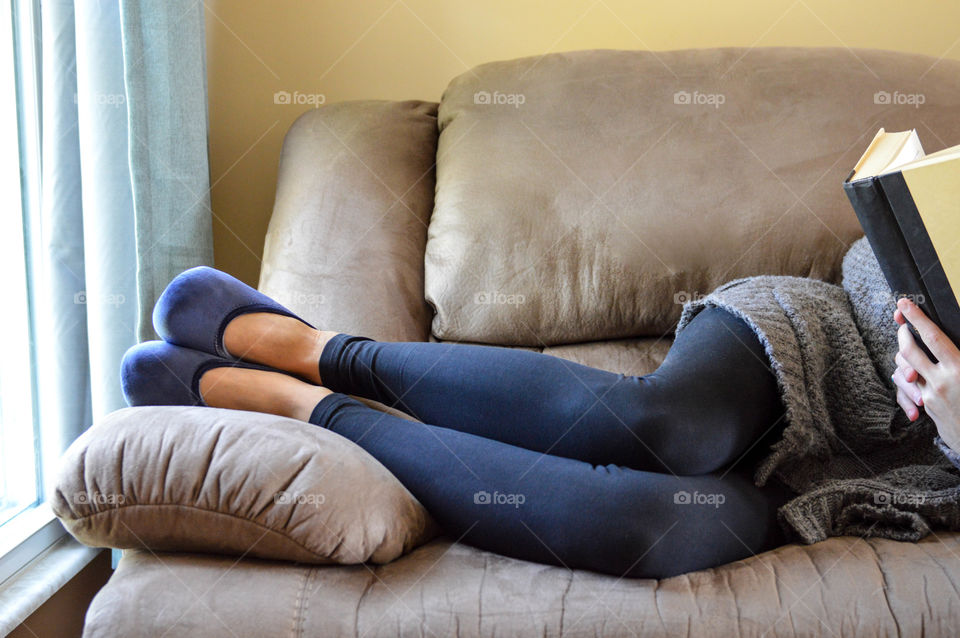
{"type": "Point", "coordinates": [175, 478]}
{"type": "Point", "coordinates": [345, 244]}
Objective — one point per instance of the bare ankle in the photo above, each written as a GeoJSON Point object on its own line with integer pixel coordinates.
{"type": "Point", "coordinates": [321, 339]}
{"type": "Point", "coordinates": [302, 405]}
{"type": "Point", "coordinates": [260, 391]}
{"type": "Point", "coordinates": [277, 341]}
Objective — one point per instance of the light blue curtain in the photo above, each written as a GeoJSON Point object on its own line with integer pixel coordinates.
{"type": "Point", "coordinates": [59, 285]}
{"type": "Point", "coordinates": [165, 71]}
{"type": "Point", "coordinates": [124, 192]}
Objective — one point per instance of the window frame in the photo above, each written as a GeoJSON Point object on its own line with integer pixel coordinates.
{"type": "Point", "coordinates": [25, 537]}
{"type": "Point", "coordinates": [35, 529]}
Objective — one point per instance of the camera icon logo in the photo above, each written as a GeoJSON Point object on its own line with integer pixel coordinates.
{"type": "Point", "coordinates": [482, 97]}
{"type": "Point", "coordinates": [282, 97]}
{"type": "Point", "coordinates": [682, 97]}
{"type": "Point", "coordinates": [682, 497]}
{"type": "Point", "coordinates": [482, 497]}
{"type": "Point", "coordinates": [882, 97]}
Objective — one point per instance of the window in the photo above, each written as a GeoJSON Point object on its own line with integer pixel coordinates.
{"type": "Point", "coordinates": [21, 489]}
{"type": "Point", "coordinates": [18, 457]}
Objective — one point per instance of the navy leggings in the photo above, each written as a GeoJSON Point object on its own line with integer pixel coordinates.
{"type": "Point", "coordinates": [539, 458]}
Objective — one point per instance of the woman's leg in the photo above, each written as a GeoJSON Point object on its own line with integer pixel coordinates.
{"type": "Point", "coordinates": [712, 398]}
{"type": "Point", "coordinates": [561, 511]}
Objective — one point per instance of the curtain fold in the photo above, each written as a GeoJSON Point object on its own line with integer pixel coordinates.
{"type": "Point", "coordinates": [110, 259]}
{"type": "Point", "coordinates": [165, 70]}
{"type": "Point", "coordinates": [124, 202]}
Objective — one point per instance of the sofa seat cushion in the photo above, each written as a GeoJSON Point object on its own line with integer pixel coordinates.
{"type": "Point", "coordinates": [843, 586]}
{"type": "Point", "coordinates": [233, 482]}
{"type": "Point", "coordinates": [622, 356]}
{"type": "Point", "coordinates": [584, 196]}
{"type": "Point", "coordinates": [637, 356]}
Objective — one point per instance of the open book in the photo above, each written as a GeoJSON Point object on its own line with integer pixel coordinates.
{"type": "Point", "coordinates": [909, 206]}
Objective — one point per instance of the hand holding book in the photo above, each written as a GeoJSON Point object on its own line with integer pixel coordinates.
{"type": "Point", "coordinates": [924, 382]}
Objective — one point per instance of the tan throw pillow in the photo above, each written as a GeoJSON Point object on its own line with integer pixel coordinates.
{"type": "Point", "coordinates": [230, 482]}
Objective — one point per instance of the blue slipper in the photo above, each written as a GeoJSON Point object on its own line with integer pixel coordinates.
{"type": "Point", "coordinates": [198, 304]}
{"type": "Point", "coordinates": [159, 373]}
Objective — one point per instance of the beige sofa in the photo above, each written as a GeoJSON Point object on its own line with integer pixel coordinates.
{"type": "Point", "coordinates": [570, 203]}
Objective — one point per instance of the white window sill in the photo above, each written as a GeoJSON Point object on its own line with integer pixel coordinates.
{"type": "Point", "coordinates": [53, 556]}
{"type": "Point", "coordinates": [23, 538]}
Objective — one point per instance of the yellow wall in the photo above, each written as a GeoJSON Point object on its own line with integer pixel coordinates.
{"type": "Point", "coordinates": [402, 49]}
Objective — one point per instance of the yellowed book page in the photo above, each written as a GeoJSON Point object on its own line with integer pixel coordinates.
{"type": "Point", "coordinates": [945, 155]}
{"type": "Point", "coordinates": [935, 189]}
{"type": "Point", "coordinates": [888, 151]}
{"type": "Point", "coordinates": [867, 153]}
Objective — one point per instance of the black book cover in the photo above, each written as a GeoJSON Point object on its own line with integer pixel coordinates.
{"type": "Point", "coordinates": [888, 243]}
{"type": "Point", "coordinates": [890, 247]}
{"type": "Point", "coordinates": [924, 254]}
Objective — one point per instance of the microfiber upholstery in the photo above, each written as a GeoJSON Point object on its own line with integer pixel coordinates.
{"type": "Point", "coordinates": [584, 196]}
{"type": "Point", "coordinates": [841, 587]}
{"type": "Point", "coordinates": [231, 482]}
{"type": "Point", "coordinates": [354, 194]}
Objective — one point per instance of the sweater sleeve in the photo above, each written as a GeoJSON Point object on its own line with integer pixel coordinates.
{"type": "Point", "coordinates": [873, 305]}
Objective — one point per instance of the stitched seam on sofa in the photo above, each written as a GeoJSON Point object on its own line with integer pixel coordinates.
{"type": "Point", "coordinates": [366, 588]}
{"type": "Point", "coordinates": [884, 585]}
{"type": "Point", "coordinates": [296, 623]}
{"type": "Point", "coordinates": [305, 603]}
{"type": "Point", "coordinates": [211, 511]}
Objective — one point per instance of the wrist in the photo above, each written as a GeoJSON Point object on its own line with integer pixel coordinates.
{"type": "Point", "coordinates": [949, 451]}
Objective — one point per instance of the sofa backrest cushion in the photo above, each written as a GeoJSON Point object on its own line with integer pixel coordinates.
{"type": "Point", "coordinates": [354, 194]}
{"type": "Point", "coordinates": [586, 195]}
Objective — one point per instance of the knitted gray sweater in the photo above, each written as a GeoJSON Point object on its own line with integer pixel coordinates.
{"type": "Point", "coordinates": [858, 465]}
